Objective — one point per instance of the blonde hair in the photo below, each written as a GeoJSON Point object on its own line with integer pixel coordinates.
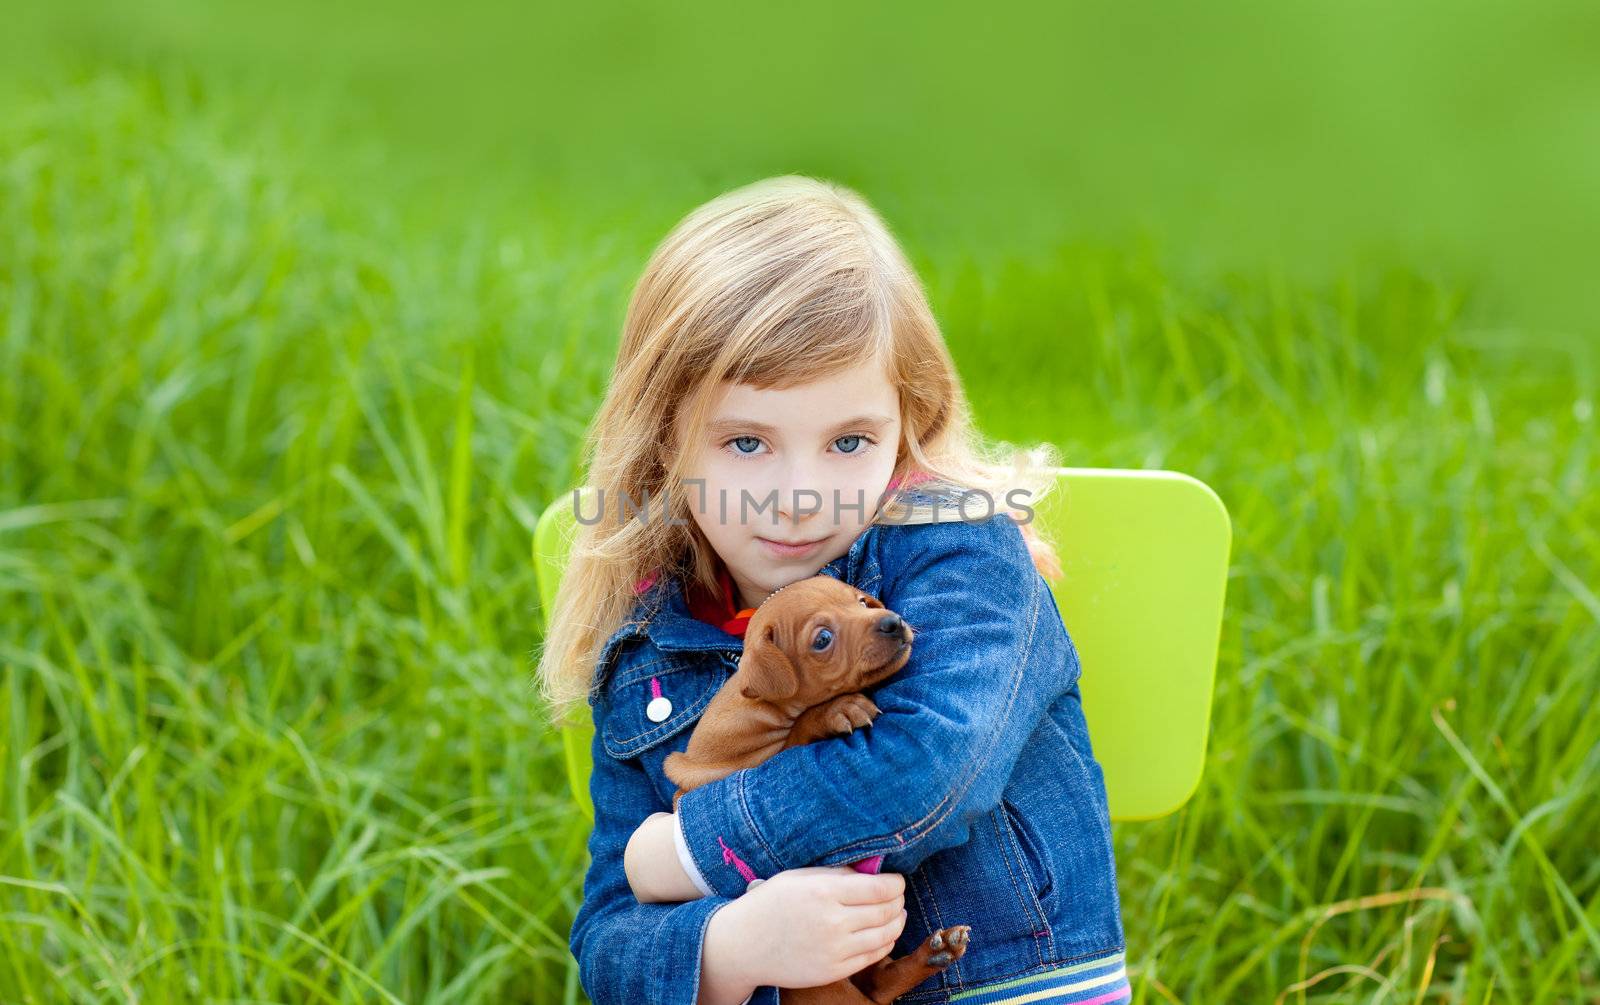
{"type": "Point", "coordinates": [775, 284]}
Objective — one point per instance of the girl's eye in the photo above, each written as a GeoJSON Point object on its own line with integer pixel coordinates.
{"type": "Point", "coordinates": [823, 640]}
{"type": "Point", "coordinates": [850, 446]}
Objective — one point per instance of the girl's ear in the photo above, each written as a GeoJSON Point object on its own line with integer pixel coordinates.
{"type": "Point", "coordinates": [768, 671]}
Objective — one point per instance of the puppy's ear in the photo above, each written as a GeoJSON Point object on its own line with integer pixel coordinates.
{"type": "Point", "coordinates": [769, 673]}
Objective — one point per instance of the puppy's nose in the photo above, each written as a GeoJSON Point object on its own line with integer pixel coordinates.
{"type": "Point", "coordinates": [890, 624]}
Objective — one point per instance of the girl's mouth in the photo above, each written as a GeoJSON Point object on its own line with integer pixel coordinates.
{"type": "Point", "coordinates": [783, 550]}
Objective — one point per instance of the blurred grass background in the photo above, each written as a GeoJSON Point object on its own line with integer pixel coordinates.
{"type": "Point", "coordinates": [303, 310]}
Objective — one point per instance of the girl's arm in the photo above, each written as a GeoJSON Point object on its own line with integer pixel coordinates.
{"type": "Point", "coordinates": [990, 657]}
{"type": "Point", "coordinates": [657, 865]}
{"type": "Point", "coordinates": [630, 952]}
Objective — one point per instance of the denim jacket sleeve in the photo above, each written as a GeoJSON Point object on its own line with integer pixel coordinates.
{"type": "Point", "coordinates": [989, 658]}
{"type": "Point", "coordinates": [627, 951]}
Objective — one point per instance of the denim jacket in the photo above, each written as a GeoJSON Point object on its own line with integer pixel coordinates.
{"type": "Point", "coordinates": [976, 781]}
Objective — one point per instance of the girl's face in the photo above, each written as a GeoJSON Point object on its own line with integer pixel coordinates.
{"type": "Point", "coordinates": [802, 466]}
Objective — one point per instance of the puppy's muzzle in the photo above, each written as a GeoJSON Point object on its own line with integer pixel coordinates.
{"type": "Point", "coordinates": [894, 627]}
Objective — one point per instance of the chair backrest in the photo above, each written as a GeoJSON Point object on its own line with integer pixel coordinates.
{"type": "Point", "coordinates": [1144, 568]}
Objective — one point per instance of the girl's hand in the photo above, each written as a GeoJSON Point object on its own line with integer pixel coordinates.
{"type": "Point", "coordinates": [808, 927]}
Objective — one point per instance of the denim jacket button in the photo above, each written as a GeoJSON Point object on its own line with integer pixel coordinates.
{"type": "Point", "coordinates": [753, 884]}
{"type": "Point", "coordinates": [658, 709]}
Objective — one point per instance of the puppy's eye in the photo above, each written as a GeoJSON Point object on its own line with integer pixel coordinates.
{"type": "Point", "coordinates": [862, 600]}
{"type": "Point", "coordinates": [823, 640]}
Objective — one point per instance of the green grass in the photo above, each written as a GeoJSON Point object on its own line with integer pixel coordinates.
{"type": "Point", "coordinates": [271, 450]}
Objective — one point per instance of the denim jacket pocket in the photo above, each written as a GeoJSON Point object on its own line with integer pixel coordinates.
{"type": "Point", "coordinates": [657, 699]}
{"type": "Point", "coordinates": [1032, 853]}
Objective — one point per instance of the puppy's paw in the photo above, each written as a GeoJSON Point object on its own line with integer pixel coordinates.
{"type": "Point", "coordinates": [945, 946]}
{"type": "Point", "coordinates": [673, 766]}
{"type": "Point", "coordinates": [850, 712]}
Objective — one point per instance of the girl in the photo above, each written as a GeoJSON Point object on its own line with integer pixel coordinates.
{"type": "Point", "coordinates": [783, 406]}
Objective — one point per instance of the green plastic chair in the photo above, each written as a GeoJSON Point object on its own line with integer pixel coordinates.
{"type": "Point", "coordinates": [1144, 559]}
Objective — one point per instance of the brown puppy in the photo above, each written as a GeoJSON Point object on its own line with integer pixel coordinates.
{"type": "Point", "coordinates": [810, 649]}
